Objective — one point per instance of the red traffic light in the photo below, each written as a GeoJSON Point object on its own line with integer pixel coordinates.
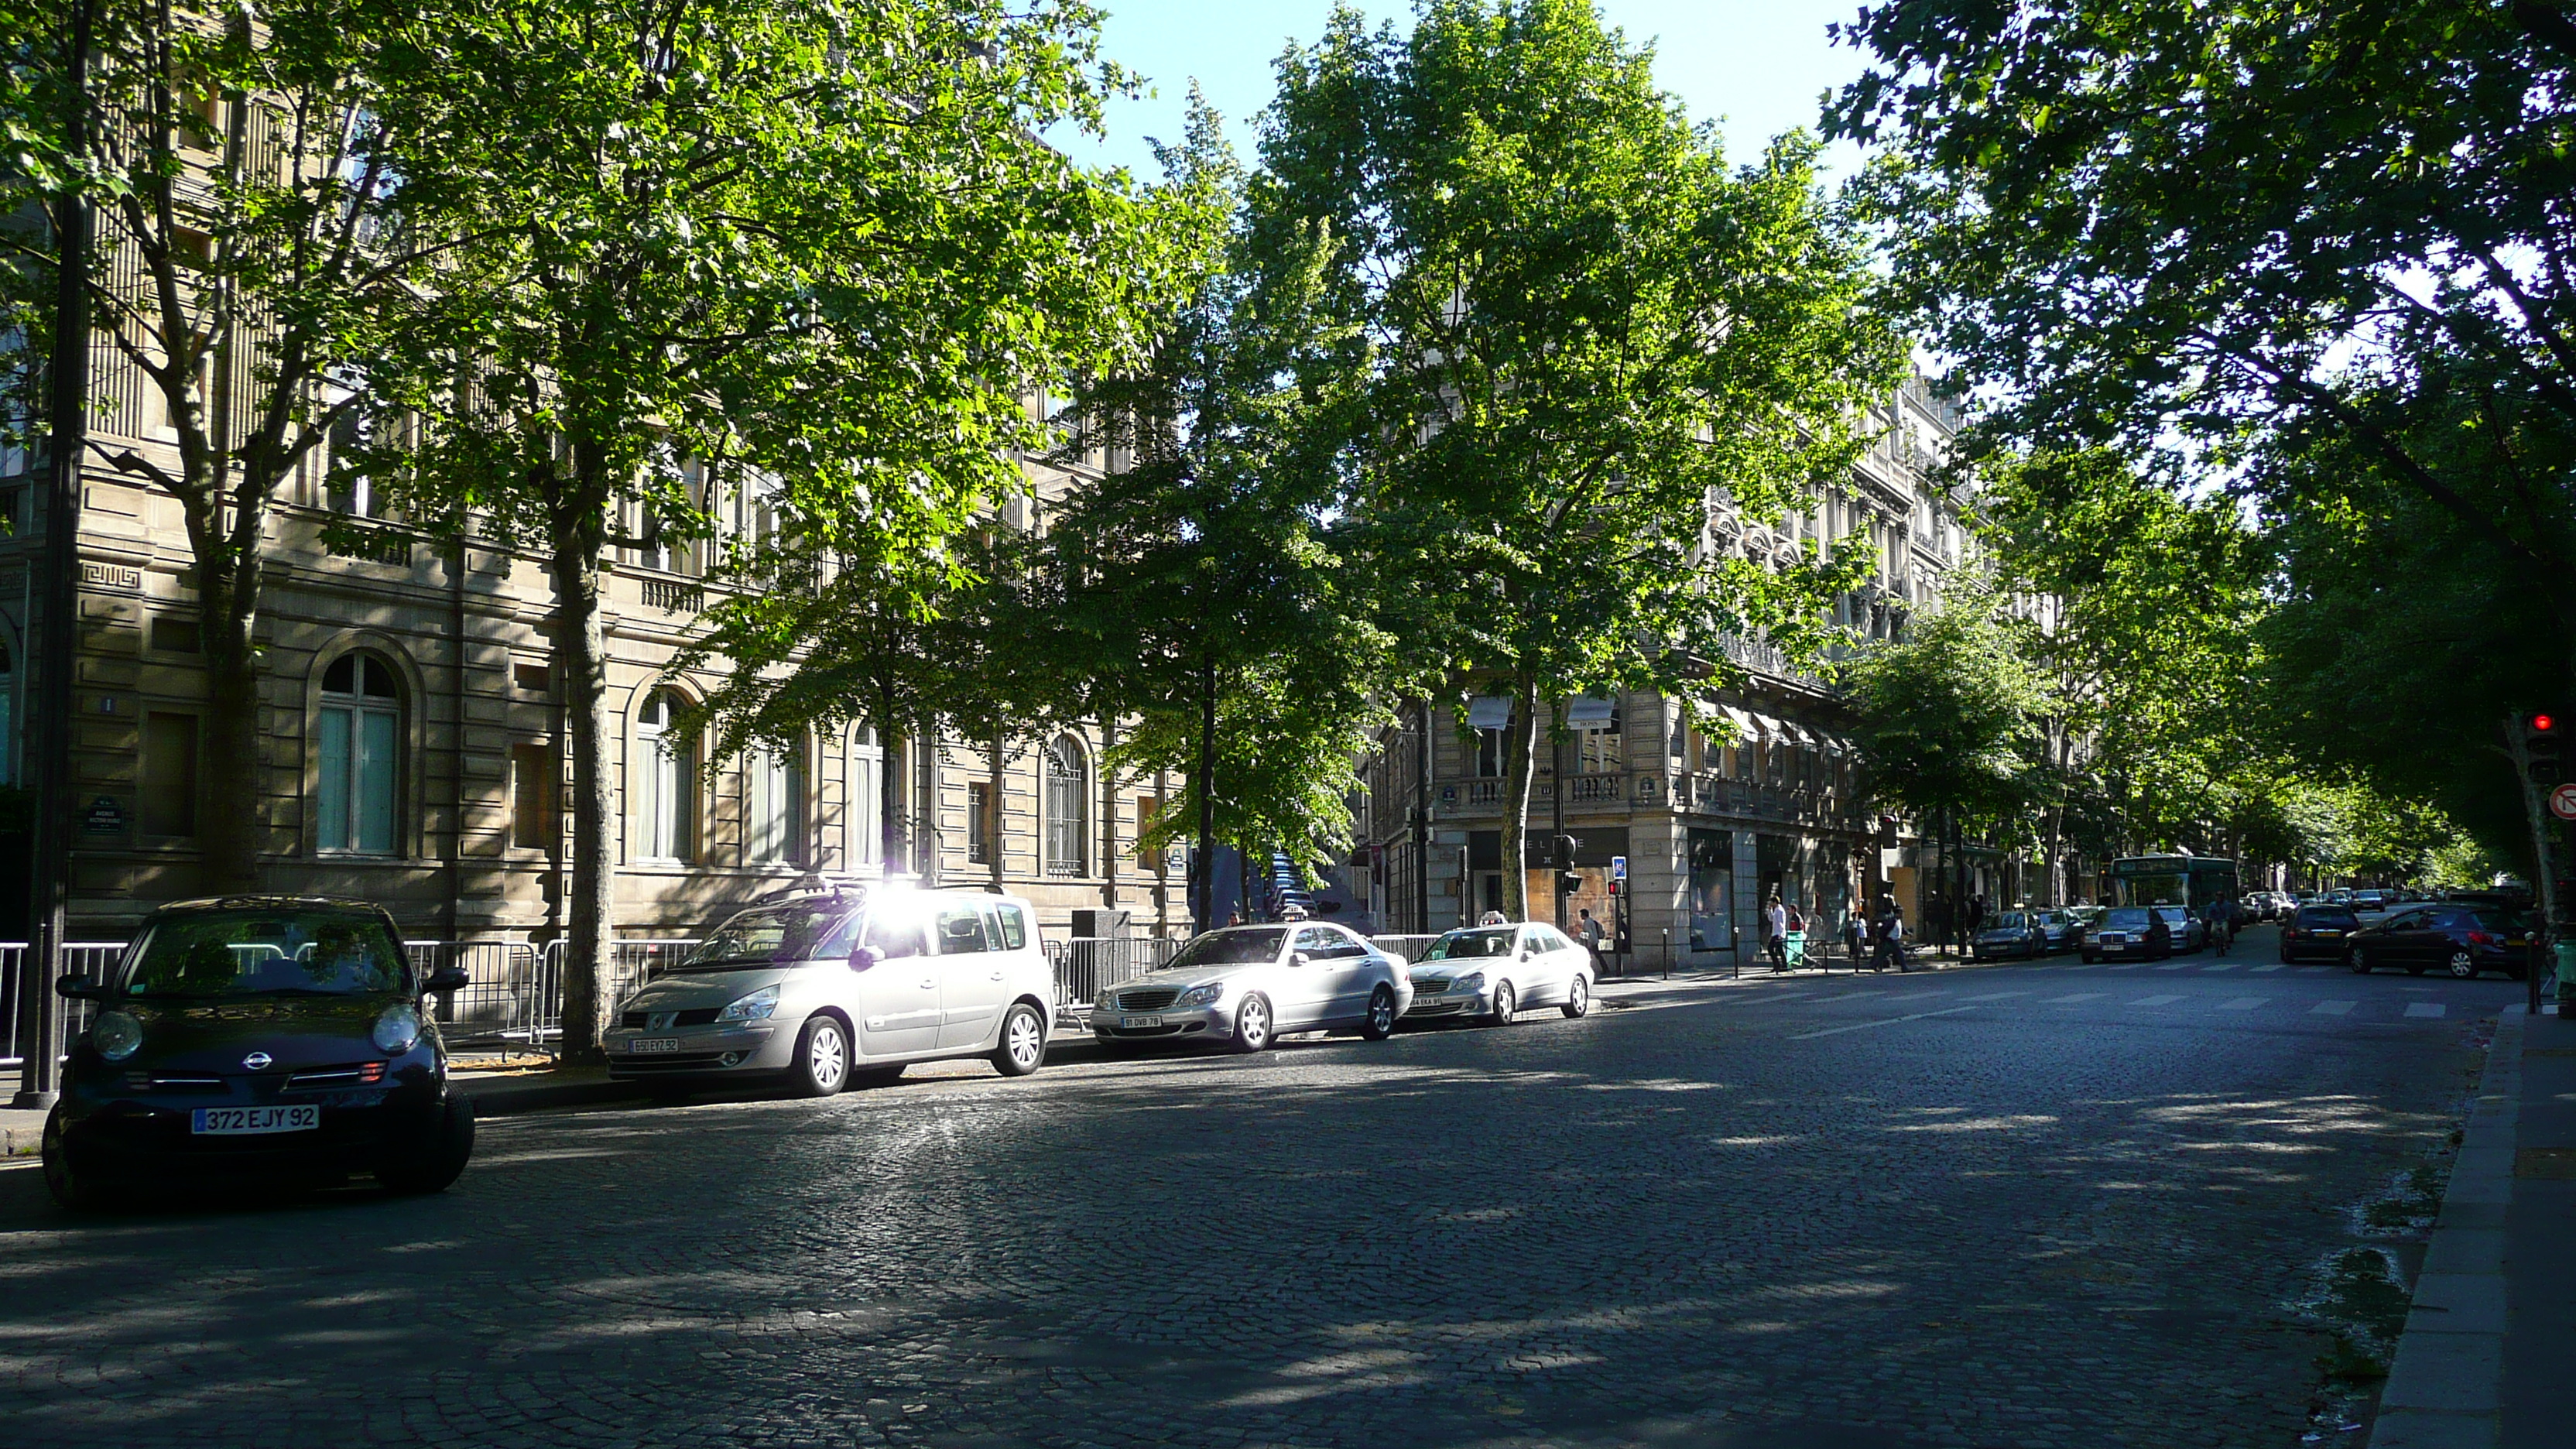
{"type": "Point", "coordinates": [2544, 724]}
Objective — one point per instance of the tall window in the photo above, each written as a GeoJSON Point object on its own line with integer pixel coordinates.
{"type": "Point", "coordinates": [1598, 750]}
{"type": "Point", "coordinates": [664, 786]}
{"type": "Point", "coordinates": [8, 718]}
{"type": "Point", "coordinates": [1489, 754]}
{"type": "Point", "coordinates": [169, 774]}
{"type": "Point", "coordinates": [980, 822]}
{"type": "Point", "coordinates": [865, 815]}
{"type": "Point", "coordinates": [533, 822]}
{"type": "Point", "coordinates": [1068, 807]}
{"type": "Point", "coordinates": [773, 808]}
{"type": "Point", "coordinates": [360, 734]}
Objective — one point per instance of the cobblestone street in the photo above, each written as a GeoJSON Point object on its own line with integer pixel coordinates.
{"type": "Point", "coordinates": [2022, 1205]}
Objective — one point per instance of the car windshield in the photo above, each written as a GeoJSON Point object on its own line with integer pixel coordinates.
{"type": "Point", "coordinates": [265, 953]}
{"type": "Point", "coordinates": [2009, 921]}
{"type": "Point", "coordinates": [2126, 918]}
{"type": "Point", "coordinates": [770, 933]}
{"type": "Point", "coordinates": [2496, 918]}
{"type": "Point", "coordinates": [1467, 945]}
{"type": "Point", "coordinates": [1232, 948]}
{"type": "Point", "coordinates": [2324, 916]}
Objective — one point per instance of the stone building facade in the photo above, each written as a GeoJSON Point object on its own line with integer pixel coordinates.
{"type": "Point", "coordinates": [412, 737]}
{"type": "Point", "coordinates": [1706, 829]}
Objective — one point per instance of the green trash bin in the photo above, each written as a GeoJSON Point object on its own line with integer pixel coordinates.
{"type": "Point", "coordinates": [2566, 970]}
{"type": "Point", "coordinates": [1793, 948]}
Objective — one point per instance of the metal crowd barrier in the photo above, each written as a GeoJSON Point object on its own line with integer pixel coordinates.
{"type": "Point", "coordinates": [1085, 966]}
{"type": "Point", "coordinates": [80, 958]}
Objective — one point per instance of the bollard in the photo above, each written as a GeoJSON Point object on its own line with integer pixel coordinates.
{"type": "Point", "coordinates": [1668, 953]}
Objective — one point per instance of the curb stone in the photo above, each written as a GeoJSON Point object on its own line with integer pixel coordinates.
{"type": "Point", "coordinates": [2445, 1389]}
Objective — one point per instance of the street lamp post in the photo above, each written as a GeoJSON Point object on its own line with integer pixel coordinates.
{"type": "Point", "coordinates": [67, 435]}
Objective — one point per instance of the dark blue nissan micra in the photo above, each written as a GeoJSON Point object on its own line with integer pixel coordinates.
{"type": "Point", "coordinates": [258, 1040]}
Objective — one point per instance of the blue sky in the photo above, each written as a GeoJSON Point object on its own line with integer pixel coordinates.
{"type": "Point", "coordinates": [1757, 66]}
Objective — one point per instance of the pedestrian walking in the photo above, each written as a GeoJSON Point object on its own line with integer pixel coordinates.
{"type": "Point", "coordinates": [1891, 940]}
{"type": "Point", "coordinates": [1775, 932]}
{"type": "Point", "coordinates": [1856, 934]}
{"type": "Point", "coordinates": [1588, 931]}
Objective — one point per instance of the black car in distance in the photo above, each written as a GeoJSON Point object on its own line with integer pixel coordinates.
{"type": "Point", "coordinates": [2458, 940]}
{"type": "Point", "coordinates": [258, 1040]}
{"type": "Point", "coordinates": [2318, 932]}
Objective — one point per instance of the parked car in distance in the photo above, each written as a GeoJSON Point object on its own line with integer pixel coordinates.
{"type": "Point", "coordinates": [1490, 973]}
{"type": "Point", "coordinates": [2318, 932]}
{"type": "Point", "coordinates": [2460, 941]}
{"type": "Point", "coordinates": [826, 984]}
{"type": "Point", "coordinates": [2061, 930]}
{"type": "Point", "coordinates": [2010, 933]}
{"type": "Point", "coordinates": [2190, 933]}
{"type": "Point", "coordinates": [1244, 985]}
{"type": "Point", "coordinates": [2366, 902]}
{"type": "Point", "coordinates": [254, 1040]}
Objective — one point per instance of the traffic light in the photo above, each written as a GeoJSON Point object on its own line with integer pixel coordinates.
{"type": "Point", "coordinates": [2541, 734]}
{"type": "Point", "coordinates": [1568, 882]}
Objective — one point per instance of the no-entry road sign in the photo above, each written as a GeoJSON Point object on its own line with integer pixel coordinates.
{"type": "Point", "coordinates": [2562, 801]}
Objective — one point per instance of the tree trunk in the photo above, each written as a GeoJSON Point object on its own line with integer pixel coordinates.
{"type": "Point", "coordinates": [231, 810]}
{"type": "Point", "coordinates": [1203, 788]}
{"type": "Point", "coordinates": [580, 528]}
{"type": "Point", "coordinates": [891, 775]}
{"type": "Point", "coordinates": [1520, 741]}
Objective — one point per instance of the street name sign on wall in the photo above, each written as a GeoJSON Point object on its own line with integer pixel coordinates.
{"type": "Point", "coordinates": [2562, 801]}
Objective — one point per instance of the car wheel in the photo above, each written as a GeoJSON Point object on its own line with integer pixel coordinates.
{"type": "Point", "coordinates": [822, 1058]}
{"type": "Point", "coordinates": [2463, 965]}
{"type": "Point", "coordinates": [1024, 1043]}
{"type": "Point", "coordinates": [1379, 1024]}
{"type": "Point", "coordinates": [441, 1159]}
{"type": "Point", "coordinates": [1578, 998]}
{"type": "Point", "coordinates": [1507, 1003]}
{"type": "Point", "coordinates": [2358, 961]}
{"type": "Point", "coordinates": [73, 1190]}
{"type": "Point", "coordinates": [1252, 1025]}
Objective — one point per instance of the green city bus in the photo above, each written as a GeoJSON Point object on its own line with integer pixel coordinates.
{"type": "Point", "coordinates": [2192, 881]}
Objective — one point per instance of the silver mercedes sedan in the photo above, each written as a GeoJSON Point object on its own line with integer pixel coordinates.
{"type": "Point", "coordinates": [1245, 985]}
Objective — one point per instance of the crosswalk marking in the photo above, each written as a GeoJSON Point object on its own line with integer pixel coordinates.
{"type": "Point", "coordinates": [2078, 996]}
{"type": "Point", "coordinates": [2243, 1003]}
{"type": "Point", "coordinates": [1884, 1021]}
{"type": "Point", "coordinates": [1994, 996]}
{"type": "Point", "coordinates": [2177, 966]}
{"type": "Point", "coordinates": [2259, 970]}
{"type": "Point", "coordinates": [2220, 966]}
{"type": "Point", "coordinates": [2155, 1001]}
{"type": "Point", "coordinates": [2130, 966]}
{"type": "Point", "coordinates": [2333, 1008]}
{"type": "Point", "coordinates": [2314, 970]}
{"type": "Point", "coordinates": [2425, 1008]}
{"type": "Point", "coordinates": [1760, 997]}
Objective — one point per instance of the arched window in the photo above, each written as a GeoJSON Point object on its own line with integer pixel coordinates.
{"type": "Point", "coordinates": [866, 812]}
{"type": "Point", "coordinates": [664, 786]}
{"type": "Point", "coordinates": [773, 807]}
{"type": "Point", "coordinates": [359, 733]}
{"type": "Point", "coordinates": [1068, 807]}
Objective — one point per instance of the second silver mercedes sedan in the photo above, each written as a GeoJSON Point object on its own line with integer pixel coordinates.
{"type": "Point", "coordinates": [1245, 985]}
{"type": "Point", "coordinates": [1488, 973]}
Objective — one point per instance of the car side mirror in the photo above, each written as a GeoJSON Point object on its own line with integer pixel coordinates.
{"type": "Point", "coordinates": [79, 988]}
{"type": "Point", "coordinates": [863, 957]}
{"type": "Point", "coordinates": [450, 977]}
{"type": "Point", "coordinates": [1300, 958]}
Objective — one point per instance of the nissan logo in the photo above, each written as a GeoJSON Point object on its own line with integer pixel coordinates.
{"type": "Point", "coordinates": [256, 1061]}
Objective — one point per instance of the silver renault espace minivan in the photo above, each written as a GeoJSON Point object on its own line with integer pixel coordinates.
{"type": "Point", "coordinates": [839, 983]}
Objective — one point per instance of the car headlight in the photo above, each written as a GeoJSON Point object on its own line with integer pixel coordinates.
{"type": "Point", "coordinates": [397, 1031]}
{"type": "Point", "coordinates": [755, 1007]}
{"type": "Point", "coordinates": [1202, 995]}
{"type": "Point", "coordinates": [115, 1035]}
{"type": "Point", "coordinates": [1472, 981]}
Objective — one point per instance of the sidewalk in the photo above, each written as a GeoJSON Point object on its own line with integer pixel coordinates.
{"type": "Point", "coordinates": [2482, 1362]}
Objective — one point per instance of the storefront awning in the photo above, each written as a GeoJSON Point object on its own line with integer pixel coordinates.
{"type": "Point", "coordinates": [1583, 712]}
{"type": "Point", "coordinates": [1489, 712]}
